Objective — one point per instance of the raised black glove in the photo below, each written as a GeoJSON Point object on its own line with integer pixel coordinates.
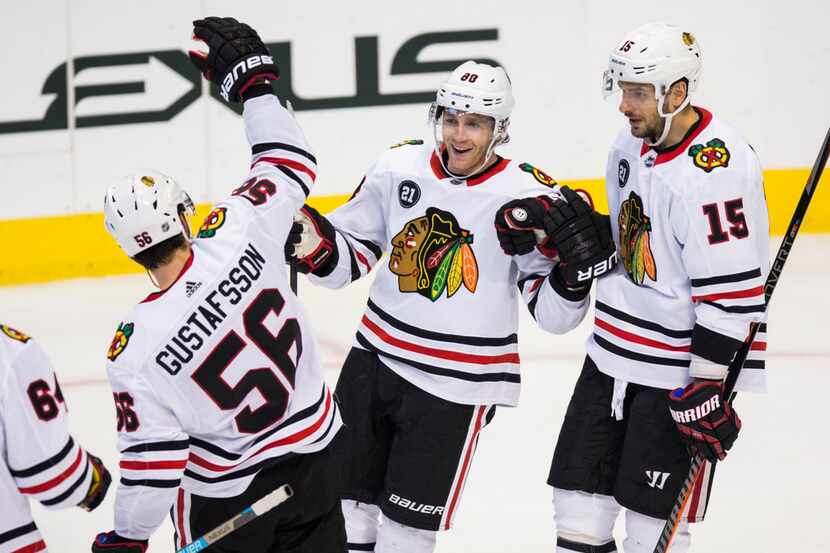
{"type": "Point", "coordinates": [312, 241]}
{"type": "Point", "coordinates": [582, 237]}
{"type": "Point", "coordinates": [520, 224]}
{"type": "Point", "coordinates": [236, 56]}
{"type": "Point", "coordinates": [110, 542]}
{"type": "Point", "coordinates": [706, 422]}
{"type": "Point", "coordinates": [98, 487]}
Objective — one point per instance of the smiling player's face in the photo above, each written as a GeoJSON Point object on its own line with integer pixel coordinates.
{"type": "Point", "coordinates": [466, 136]}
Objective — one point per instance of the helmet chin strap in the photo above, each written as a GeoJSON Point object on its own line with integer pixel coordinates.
{"type": "Point", "coordinates": [667, 119]}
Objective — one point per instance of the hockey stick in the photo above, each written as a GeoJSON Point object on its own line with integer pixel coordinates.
{"type": "Point", "coordinates": [293, 275]}
{"type": "Point", "coordinates": [260, 507]}
{"type": "Point", "coordinates": [737, 363]}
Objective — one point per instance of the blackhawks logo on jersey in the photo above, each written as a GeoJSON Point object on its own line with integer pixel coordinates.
{"type": "Point", "coordinates": [433, 253]}
{"type": "Point", "coordinates": [14, 334]}
{"type": "Point", "coordinates": [214, 220]}
{"type": "Point", "coordinates": [713, 154]}
{"type": "Point", "coordinates": [538, 174]}
{"type": "Point", "coordinates": [120, 341]}
{"type": "Point", "coordinates": [409, 142]}
{"type": "Point", "coordinates": [635, 245]}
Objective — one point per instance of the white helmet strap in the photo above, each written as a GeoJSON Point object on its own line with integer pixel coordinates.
{"type": "Point", "coordinates": [667, 118]}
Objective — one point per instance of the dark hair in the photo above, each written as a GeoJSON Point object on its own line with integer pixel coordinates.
{"type": "Point", "coordinates": [160, 254]}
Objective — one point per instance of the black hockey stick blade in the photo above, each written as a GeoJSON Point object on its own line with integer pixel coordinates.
{"type": "Point", "coordinates": [737, 363]}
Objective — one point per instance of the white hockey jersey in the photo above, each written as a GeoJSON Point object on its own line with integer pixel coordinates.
{"type": "Point", "coordinates": [218, 376]}
{"type": "Point", "coordinates": [692, 233]}
{"type": "Point", "coordinates": [442, 312]}
{"type": "Point", "coordinates": [39, 458]}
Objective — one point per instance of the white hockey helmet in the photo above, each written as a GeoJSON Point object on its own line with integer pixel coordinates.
{"type": "Point", "coordinates": [143, 209]}
{"type": "Point", "coordinates": [658, 54]}
{"type": "Point", "coordinates": [475, 88]}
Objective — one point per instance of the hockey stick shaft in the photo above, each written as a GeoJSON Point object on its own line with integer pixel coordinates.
{"type": "Point", "coordinates": [257, 509]}
{"type": "Point", "coordinates": [293, 275]}
{"type": "Point", "coordinates": [737, 363]}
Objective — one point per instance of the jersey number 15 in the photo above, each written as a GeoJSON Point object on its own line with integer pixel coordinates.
{"type": "Point", "coordinates": [735, 217]}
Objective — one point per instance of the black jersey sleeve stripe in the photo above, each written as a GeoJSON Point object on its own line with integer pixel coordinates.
{"type": "Point", "coordinates": [762, 327]}
{"type": "Point", "coordinates": [724, 279]}
{"type": "Point", "coordinates": [174, 445]}
{"type": "Point", "coordinates": [754, 364]}
{"type": "Point", "coordinates": [360, 546]}
{"type": "Point", "coordinates": [713, 346]}
{"type": "Point", "coordinates": [47, 464]}
{"type": "Point", "coordinates": [15, 533]}
{"type": "Point", "coordinates": [440, 336]}
{"type": "Point", "coordinates": [521, 283]}
{"type": "Point", "coordinates": [267, 146]}
{"type": "Point", "coordinates": [151, 483]}
{"type": "Point", "coordinates": [353, 267]}
{"type": "Point", "coordinates": [758, 308]}
{"type": "Point", "coordinates": [293, 176]}
{"type": "Point", "coordinates": [576, 547]}
{"type": "Point", "coordinates": [369, 245]}
{"type": "Point", "coordinates": [634, 356]}
{"type": "Point", "coordinates": [441, 371]}
{"type": "Point", "coordinates": [642, 323]}
{"type": "Point", "coordinates": [69, 491]}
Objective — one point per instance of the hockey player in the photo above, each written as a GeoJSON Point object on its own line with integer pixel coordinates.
{"type": "Point", "coordinates": [39, 458]}
{"type": "Point", "coordinates": [687, 203]}
{"type": "Point", "coordinates": [216, 377]}
{"type": "Point", "coordinates": [436, 349]}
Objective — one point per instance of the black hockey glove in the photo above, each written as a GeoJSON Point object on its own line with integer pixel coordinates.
{"type": "Point", "coordinates": [582, 237]}
{"type": "Point", "coordinates": [706, 422]}
{"type": "Point", "coordinates": [520, 225]}
{"type": "Point", "coordinates": [312, 241]}
{"type": "Point", "coordinates": [236, 56]}
{"type": "Point", "coordinates": [110, 542]}
{"type": "Point", "coordinates": [100, 484]}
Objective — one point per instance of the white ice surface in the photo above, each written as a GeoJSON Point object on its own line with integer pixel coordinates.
{"type": "Point", "coordinates": [770, 494]}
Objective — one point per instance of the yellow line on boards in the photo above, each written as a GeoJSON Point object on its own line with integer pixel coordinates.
{"type": "Point", "coordinates": [69, 246]}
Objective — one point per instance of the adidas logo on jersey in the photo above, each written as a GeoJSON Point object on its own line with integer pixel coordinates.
{"type": "Point", "coordinates": [657, 479]}
{"type": "Point", "coordinates": [190, 287]}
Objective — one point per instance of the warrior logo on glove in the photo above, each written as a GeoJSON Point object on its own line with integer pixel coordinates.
{"type": "Point", "coordinates": [432, 254]}
{"type": "Point", "coordinates": [635, 245]}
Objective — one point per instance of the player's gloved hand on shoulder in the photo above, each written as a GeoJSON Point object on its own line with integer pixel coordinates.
{"type": "Point", "coordinates": [312, 243]}
{"type": "Point", "coordinates": [582, 237]}
{"type": "Point", "coordinates": [110, 542]}
{"type": "Point", "coordinates": [707, 423]}
{"type": "Point", "coordinates": [520, 225]}
{"type": "Point", "coordinates": [101, 480]}
{"type": "Point", "coordinates": [235, 59]}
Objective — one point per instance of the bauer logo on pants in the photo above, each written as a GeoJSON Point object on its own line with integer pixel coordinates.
{"type": "Point", "coordinates": [433, 253]}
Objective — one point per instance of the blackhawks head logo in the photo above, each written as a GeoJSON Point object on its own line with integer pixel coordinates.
{"type": "Point", "coordinates": [120, 341]}
{"type": "Point", "coordinates": [635, 246]}
{"type": "Point", "coordinates": [432, 254]}
{"type": "Point", "coordinates": [214, 220]}
{"type": "Point", "coordinates": [714, 154]}
{"type": "Point", "coordinates": [14, 334]}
